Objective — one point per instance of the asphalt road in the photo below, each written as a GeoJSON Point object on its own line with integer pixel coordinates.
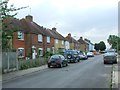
{"type": "Point", "coordinates": [91, 73]}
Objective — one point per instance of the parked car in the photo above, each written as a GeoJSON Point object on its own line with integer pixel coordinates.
{"type": "Point", "coordinates": [82, 55]}
{"type": "Point", "coordinates": [90, 54]}
{"type": "Point", "coordinates": [57, 60]}
{"type": "Point", "coordinates": [71, 55]}
{"type": "Point", "coordinates": [110, 57]}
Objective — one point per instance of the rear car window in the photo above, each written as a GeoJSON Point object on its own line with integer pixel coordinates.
{"type": "Point", "coordinates": [54, 57]}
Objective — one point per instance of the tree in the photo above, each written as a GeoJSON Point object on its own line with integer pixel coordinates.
{"type": "Point", "coordinates": [114, 40]}
{"type": "Point", "coordinates": [102, 46]}
{"type": "Point", "coordinates": [96, 47]}
{"type": "Point", "coordinates": [6, 11]}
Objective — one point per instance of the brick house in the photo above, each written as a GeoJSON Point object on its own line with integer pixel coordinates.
{"type": "Point", "coordinates": [83, 45]}
{"type": "Point", "coordinates": [59, 41]}
{"type": "Point", "coordinates": [19, 38]}
{"type": "Point", "coordinates": [41, 40]}
{"type": "Point", "coordinates": [73, 43]}
{"type": "Point", "coordinates": [31, 40]}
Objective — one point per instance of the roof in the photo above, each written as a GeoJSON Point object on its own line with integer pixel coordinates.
{"type": "Point", "coordinates": [81, 41]}
{"type": "Point", "coordinates": [71, 39]}
{"type": "Point", "coordinates": [11, 23]}
{"type": "Point", "coordinates": [57, 35]}
{"type": "Point", "coordinates": [31, 27]}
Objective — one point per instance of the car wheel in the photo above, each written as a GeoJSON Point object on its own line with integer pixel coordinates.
{"type": "Point", "coordinates": [66, 64]}
{"type": "Point", "coordinates": [75, 61]}
{"type": "Point", "coordinates": [48, 66]}
{"type": "Point", "coordinates": [115, 62]}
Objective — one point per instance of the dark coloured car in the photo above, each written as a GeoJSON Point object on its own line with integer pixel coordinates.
{"type": "Point", "coordinates": [110, 57]}
{"type": "Point", "coordinates": [71, 55]}
{"type": "Point", "coordinates": [57, 60]}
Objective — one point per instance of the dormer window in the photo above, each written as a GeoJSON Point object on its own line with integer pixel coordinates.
{"type": "Point", "coordinates": [20, 35]}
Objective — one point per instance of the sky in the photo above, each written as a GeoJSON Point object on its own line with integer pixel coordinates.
{"type": "Point", "coordinates": [91, 19]}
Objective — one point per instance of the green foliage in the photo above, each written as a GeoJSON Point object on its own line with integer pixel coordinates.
{"type": "Point", "coordinates": [25, 64]}
{"type": "Point", "coordinates": [114, 41]}
{"type": "Point", "coordinates": [48, 54]}
{"type": "Point", "coordinates": [6, 11]}
{"type": "Point", "coordinates": [7, 33]}
{"type": "Point", "coordinates": [100, 46]}
{"type": "Point", "coordinates": [61, 53]}
{"type": "Point", "coordinates": [96, 47]}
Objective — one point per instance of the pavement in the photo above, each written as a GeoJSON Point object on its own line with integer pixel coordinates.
{"type": "Point", "coordinates": [12, 75]}
{"type": "Point", "coordinates": [116, 74]}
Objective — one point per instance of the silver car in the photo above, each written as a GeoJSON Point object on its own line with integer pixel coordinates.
{"type": "Point", "coordinates": [110, 57]}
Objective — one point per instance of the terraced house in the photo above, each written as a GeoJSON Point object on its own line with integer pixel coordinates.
{"type": "Point", "coordinates": [32, 40]}
{"type": "Point", "coordinates": [83, 45]}
{"type": "Point", "coordinates": [74, 45]}
{"type": "Point", "coordinates": [59, 41]}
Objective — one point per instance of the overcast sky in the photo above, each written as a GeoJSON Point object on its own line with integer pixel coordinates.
{"type": "Point", "coordinates": [91, 19]}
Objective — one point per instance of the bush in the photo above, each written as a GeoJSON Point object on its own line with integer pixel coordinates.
{"type": "Point", "coordinates": [48, 54]}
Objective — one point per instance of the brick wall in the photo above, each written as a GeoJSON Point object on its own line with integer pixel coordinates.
{"type": "Point", "coordinates": [19, 43]}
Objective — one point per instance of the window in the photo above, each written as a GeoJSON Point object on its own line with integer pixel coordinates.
{"type": "Point", "coordinates": [20, 35]}
{"type": "Point", "coordinates": [48, 39]}
{"type": "Point", "coordinates": [48, 49]}
{"type": "Point", "coordinates": [40, 52]}
{"type": "Point", "coordinates": [56, 40]}
{"type": "Point", "coordinates": [62, 42]}
{"type": "Point", "coordinates": [20, 52]}
{"type": "Point", "coordinates": [39, 38]}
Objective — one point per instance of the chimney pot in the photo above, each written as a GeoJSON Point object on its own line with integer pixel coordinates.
{"type": "Point", "coordinates": [81, 37]}
{"type": "Point", "coordinates": [69, 34]}
{"type": "Point", "coordinates": [29, 18]}
{"type": "Point", "coordinates": [54, 28]}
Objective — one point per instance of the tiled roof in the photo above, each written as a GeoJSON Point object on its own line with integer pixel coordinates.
{"type": "Point", "coordinates": [81, 41]}
{"type": "Point", "coordinates": [31, 27]}
{"type": "Point", "coordinates": [71, 39]}
{"type": "Point", "coordinates": [57, 35]}
{"type": "Point", "coordinates": [12, 24]}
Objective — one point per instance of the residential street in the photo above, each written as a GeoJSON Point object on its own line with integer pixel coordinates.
{"type": "Point", "coordinates": [91, 73]}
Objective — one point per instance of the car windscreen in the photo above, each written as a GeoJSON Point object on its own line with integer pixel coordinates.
{"type": "Point", "coordinates": [75, 53]}
{"type": "Point", "coordinates": [55, 57]}
{"type": "Point", "coordinates": [80, 53]}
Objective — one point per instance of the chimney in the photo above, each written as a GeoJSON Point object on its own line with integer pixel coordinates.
{"type": "Point", "coordinates": [29, 18]}
{"type": "Point", "coordinates": [69, 35]}
{"type": "Point", "coordinates": [54, 29]}
{"type": "Point", "coordinates": [81, 37]}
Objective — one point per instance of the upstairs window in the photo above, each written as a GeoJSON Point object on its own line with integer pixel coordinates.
{"type": "Point", "coordinates": [62, 42]}
{"type": "Point", "coordinates": [39, 38]}
{"type": "Point", "coordinates": [48, 39]}
{"type": "Point", "coordinates": [20, 35]}
{"type": "Point", "coordinates": [56, 40]}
